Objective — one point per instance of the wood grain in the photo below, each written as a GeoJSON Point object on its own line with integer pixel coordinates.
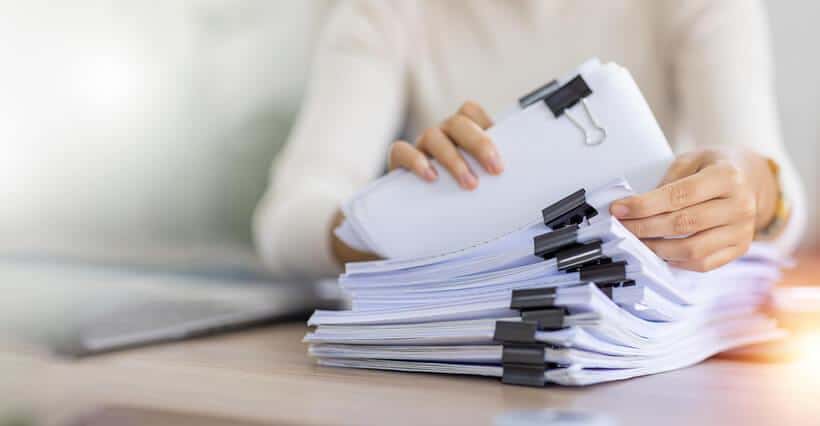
{"type": "Point", "coordinates": [265, 376]}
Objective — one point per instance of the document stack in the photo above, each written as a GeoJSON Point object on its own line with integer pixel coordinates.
{"type": "Point", "coordinates": [561, 293]}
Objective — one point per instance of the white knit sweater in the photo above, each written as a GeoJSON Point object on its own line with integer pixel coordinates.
{"type": "Point", "coordinates": [381, 66]}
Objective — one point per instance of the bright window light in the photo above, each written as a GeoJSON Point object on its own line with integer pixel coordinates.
{"type": "Point", "coordinates": [108, 83]}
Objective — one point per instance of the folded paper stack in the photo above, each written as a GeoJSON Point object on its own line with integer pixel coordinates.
{"type": "Point", "coordinates": [558, 293]}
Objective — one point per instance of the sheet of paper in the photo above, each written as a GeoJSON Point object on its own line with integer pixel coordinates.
{"type": "Point", "coordinates": [545, 158]}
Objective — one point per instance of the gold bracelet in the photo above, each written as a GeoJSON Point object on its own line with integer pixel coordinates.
{"type": "Point", "coordinates": [782, 210]}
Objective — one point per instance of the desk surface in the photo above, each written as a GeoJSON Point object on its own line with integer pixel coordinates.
{"type": "Point", "coordinates": [264, 375]}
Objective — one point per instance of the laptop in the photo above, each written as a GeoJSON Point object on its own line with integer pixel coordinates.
{"type": "Point", "coordinates": [79, 308]}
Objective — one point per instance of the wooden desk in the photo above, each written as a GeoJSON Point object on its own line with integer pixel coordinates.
{"type": "Point", "coordinates": [265, 376]}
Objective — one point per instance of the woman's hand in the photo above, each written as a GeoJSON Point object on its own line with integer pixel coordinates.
{"type": "Point", "coordinates": [713, 200]}
{"type": "Point", "coordinates": [465, 129]}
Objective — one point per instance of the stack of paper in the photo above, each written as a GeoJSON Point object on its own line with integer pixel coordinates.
{"type": "Point", "coordinates": [570, 297]}
{"type": "Point", "coordinates": [545, 157]}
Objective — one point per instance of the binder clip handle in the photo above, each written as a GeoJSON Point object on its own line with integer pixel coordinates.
{"type": "Point", "coordinates": [594, 135]}
{"type": "Point", "coordinates": [568, 96]}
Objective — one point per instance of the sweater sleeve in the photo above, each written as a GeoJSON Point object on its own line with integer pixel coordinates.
{"type": "Point", "coordinates": [724, 91]}
{"type": "Point", "coordinates": [352, 108]}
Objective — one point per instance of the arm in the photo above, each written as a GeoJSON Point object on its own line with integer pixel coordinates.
{"type": "Point", "coordinates": [723, 193]}
{"type": "Point", "coordinates": [352, 108]}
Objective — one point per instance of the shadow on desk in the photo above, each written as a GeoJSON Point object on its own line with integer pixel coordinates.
{"type": "Point", "coordinates": [131, 416]}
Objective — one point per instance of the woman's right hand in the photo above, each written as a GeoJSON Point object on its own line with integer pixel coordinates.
{"type": "Point", "coordinates": [466, 130]}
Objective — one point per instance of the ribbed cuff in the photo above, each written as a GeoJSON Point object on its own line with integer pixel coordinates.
{"type": "Point", "coordinates": [293, 236]}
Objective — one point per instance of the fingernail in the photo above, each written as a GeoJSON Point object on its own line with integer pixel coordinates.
{"type": "Point", "coordinates": [429, 174]}
{"type": "Point", "coordinates": [425, 170]}
{"type": "Point", "coordinates": [467, 180]}
{"type": "Point", "coordinates": [494, 163]}
{"type": "Point", "coordinates": [619, 210]}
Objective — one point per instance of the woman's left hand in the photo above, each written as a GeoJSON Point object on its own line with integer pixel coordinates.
{"type": "Point", "coordinates": [711, 201]}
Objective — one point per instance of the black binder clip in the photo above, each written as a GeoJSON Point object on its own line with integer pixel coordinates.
{"type": "Point", "coordinates": [525, 364]}
{"type": "Point", "coordinates": [562, 244]}
{"type": "Point", "coordinates": [560, 102]}
{"type": "Point", "coordinates": [546, 319]}
{"type": "Point", "coordinates": [533, 298]}
{"type": "Point", "coordinates": [523, 358]}
{"type": "Point", "coordinates": [574, 258]}
{"type": "Point", "coordinates": [608, 288]}
{"type": "Point", "coordinates": [606, 276]}
{"type": "Point", "coordinates": [515, 332]}
{"type": "Point", "coordinates": [526, 374]}
{"type": "Point", "coordinates": [614, 272]}
{"type": "Point", "coordinates": [538, 94]}
{"type": "Point", "coordinates": [547, 245]}
{"type": "Point", "coordinates": [531, 322]}
{"type": "Point", "coordinates": [571, 210]}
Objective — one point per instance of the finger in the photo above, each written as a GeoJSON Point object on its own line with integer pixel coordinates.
{"type": "Point", "coordinates": [406, 156]}
{"type": "Point", "coordinates": [701, 245]}
{"type": "Point", "coordinates": [714, 261]}
{"type": "Point", "coordinates": [712, 182]}
{"type": "Point", "coordinates": [440, 147]}
{"type": "Point", "coordinates": [476, 113]}
{"type": "Point", "coordinates": [466, 134]}
{"type": "Point", "coordinates": [684, 165]}
{"type": "Point", "coordinates": [700, 217]}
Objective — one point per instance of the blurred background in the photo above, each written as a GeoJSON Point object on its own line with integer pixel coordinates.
{"type": "Point", "coordinates": [142, 132]}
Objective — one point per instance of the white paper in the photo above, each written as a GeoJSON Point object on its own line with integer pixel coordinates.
{"type": "Point", "coordinates": [545, 158]}
{"type": "Point", "coordinates": [434, 304]}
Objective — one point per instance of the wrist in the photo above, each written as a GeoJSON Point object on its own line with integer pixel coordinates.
{"type": "Point", "coordinates": [343, 253]}
{"type": "Point", "coordinates": [781, 214]}
{"type": "Point", "coordinates": [767, 189]}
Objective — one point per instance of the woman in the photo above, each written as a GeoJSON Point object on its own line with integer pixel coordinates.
{"type": "Point", "coordinates": [704, 67]}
